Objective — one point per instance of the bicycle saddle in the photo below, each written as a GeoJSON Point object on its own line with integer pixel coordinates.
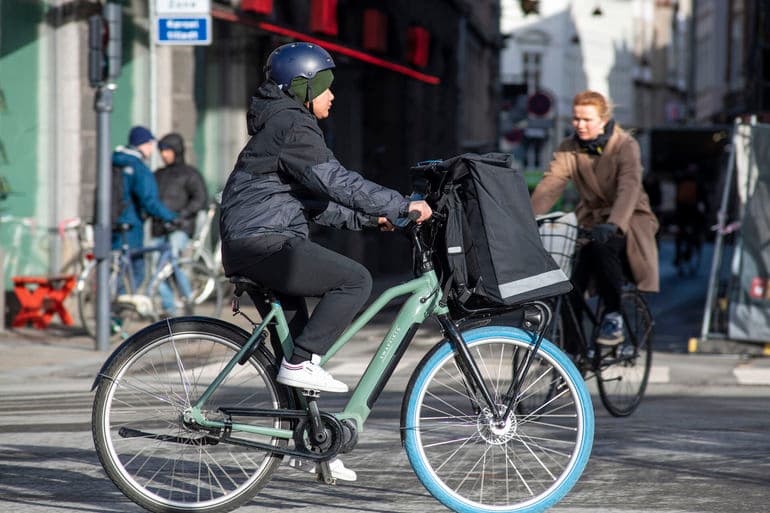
{"type": "Point", "coordinates": [244, 284]}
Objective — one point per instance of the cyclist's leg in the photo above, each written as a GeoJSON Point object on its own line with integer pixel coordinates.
{"type": "Point", "coordinates": [302, 268]}
{"type": "Point", "coordinates": [607, 263]}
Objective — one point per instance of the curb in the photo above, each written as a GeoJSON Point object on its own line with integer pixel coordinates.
{"type": "Point", "coordinates": [726, 346]}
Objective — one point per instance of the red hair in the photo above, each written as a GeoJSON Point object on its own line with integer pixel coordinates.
{"type": "Point", "coordinates": [597, 100]}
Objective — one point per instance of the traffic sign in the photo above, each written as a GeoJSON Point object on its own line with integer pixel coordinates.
{"type": "Point", "coordinates": [183, 7]}
{"type": "Point", "coordinates": [184, 30]}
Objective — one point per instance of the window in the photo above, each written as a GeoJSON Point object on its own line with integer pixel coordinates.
{"type": "Point", "coordinates": [532, 70]}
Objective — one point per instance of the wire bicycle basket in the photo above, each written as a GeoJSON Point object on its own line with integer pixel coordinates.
{"type": "Point", "coordinates": [559, 232]}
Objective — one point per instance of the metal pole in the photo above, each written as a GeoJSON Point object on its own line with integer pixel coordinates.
{"type": "Point", "coordinates": [103, 228]}
{"type": "Point", "coordinates": [716, 261]}
{"type": "Point", "coordinates": [153, 80]}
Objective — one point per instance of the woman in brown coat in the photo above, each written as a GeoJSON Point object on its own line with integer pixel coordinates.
{"type": "Point", "coordinates": [603, 161]}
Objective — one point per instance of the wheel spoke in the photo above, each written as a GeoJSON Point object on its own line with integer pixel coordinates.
{"type": "Point", "coordinates": [144, 441]}
{"type": "Point", "coordinates": [462, 454]}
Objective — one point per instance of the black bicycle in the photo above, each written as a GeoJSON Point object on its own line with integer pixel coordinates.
{"type": "Point", "coordinates": [621, 371]}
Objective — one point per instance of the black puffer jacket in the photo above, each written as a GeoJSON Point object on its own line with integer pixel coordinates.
{"type": "Point", "coordinates": [286, 177]}
{"type": "Point", "coordinates": [181, 188]}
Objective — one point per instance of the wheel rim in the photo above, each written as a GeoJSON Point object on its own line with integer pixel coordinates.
{"type": "Point", "coordinates": [625, 368]}
{"type": "Point", "coordinates": [151, 401]}
{"type": "Point", "coordinates": [524, 461]}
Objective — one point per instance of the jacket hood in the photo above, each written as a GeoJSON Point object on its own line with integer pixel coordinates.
{"type": "Point", "coordinates": [268, 101]}
{"type": "Point", "coordinates": [125, 155]}
{"type": "Point", "coordinates": [175, 143]}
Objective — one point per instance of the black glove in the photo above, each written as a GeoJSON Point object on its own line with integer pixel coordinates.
{"type": "Point", "coordinates": [601, 233]}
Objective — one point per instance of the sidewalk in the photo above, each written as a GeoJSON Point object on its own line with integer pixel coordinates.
{"type": "Point", "coordinates": [67, 352]}
{"type": "Point", "coordinates": [30, 355]}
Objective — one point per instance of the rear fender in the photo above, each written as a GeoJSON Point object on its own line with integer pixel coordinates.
{"type": "Point", "coordinates": [169, 322]}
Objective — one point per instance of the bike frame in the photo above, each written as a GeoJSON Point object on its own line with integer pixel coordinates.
{"type": "Point", "coordinates": [424, 300]}
{"type": "Point", "coordinates": [122, 258]}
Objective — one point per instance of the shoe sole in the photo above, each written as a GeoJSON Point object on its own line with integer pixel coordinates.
{"type": "Point", "coordinates": [610, 342]}
{"type": "Point", "coordinates": [313, 469]}
{"type": "Point", "coordinates": [299, 384]}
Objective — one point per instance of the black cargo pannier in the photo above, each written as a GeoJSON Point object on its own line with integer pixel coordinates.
{"type": "Point", "coordinates": [488, 248]}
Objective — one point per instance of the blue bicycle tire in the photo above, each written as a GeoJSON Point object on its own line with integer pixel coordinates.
{"type": "Point", "coordinates": [430, 433]}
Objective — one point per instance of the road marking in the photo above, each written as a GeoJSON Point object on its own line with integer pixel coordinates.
{"type": "Point", "coordinates": [748, 376]}
{"type": "Point", "coordinates": [660, 374]}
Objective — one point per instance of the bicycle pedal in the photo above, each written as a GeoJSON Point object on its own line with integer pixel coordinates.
{"type": "Point", "coordinates": [325, 474]}
{"type": "Point", "coordinates": [309, 392]}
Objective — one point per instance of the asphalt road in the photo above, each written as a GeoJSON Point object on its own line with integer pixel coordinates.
{"type": "Point", "coordinates": [699, 442]}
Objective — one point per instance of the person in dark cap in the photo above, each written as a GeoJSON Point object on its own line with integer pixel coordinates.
{"type": "Point", "coordinates": [284, 179]}
{"type": "Point", "coordinates": [140, 194]}
{"type": "Point", "coordinates": [182, 190]}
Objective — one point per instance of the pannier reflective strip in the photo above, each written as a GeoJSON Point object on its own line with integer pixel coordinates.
{"type": "Point", "coordinates": [513, 288]}
{"type": "Point", "coordinates": [454, 250]}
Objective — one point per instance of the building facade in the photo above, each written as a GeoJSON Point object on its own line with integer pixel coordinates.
{"type": "Point", "coordinates": [414, 80]}
{"type": "Point", "coordinates": [553, 50]}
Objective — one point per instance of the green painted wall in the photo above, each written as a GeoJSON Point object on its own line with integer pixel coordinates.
{"type": "Point", "coordinates": [19, 132]}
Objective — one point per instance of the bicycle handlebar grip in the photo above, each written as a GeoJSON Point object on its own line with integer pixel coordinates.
{"type": "Point", "coordinates": [411, 217]}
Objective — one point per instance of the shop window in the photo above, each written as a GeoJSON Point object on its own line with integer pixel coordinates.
{"type": "Point", "coordinates": [375, 31]}
{"type": "Point", "coordinates": [257, 6]}
{"type": "Point", "coordinates": [418, 46]}
{"type": "Point", "coordinates": [323, 17]}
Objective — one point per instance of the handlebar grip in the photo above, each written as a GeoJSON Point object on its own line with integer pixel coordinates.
{"type": "Point", "coordinates": [411, 217]}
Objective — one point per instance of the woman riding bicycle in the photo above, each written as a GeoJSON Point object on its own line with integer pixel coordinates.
{"type": "Point", "coordinates": [603, 161]}
{"type": "Point", "coordinates": [284, 179]}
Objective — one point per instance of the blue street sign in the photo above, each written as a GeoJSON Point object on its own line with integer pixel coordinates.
{"type": "Point", "coordinates": [184, 30]}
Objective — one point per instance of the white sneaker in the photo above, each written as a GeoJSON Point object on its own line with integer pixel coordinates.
{"type": "Point", "coordinates": [336, 466]}
{"type": "Point", "coordinates": [309, 374]}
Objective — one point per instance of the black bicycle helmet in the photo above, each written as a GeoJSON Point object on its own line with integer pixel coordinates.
{"type": "Point", "coordinates": [296, 60]}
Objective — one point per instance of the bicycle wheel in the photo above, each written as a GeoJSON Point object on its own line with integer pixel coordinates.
{"type": "Point", "coordinates": [623, 370]}
{"type": "Point", "coordinates": [471, 465]}
{"type": "Point", "coordinates": [124, 316]}
{"type": "Point", "coordinates": [154, 457]}
{"type": "Point", "coordinates": [202, 276]}
{"type": "Point", "coordinates": [203, 283]}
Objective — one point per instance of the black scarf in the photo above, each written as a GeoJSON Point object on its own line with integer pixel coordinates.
{"type": "Point", "coordinates": [596, 146]}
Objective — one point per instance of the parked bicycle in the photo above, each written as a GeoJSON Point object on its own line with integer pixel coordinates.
{"type": "Point", "coordinates": [199, 250]}
{"type": "Point", "coordinates": [188, 415]}
{"type": "Point", "coordinates": [132, 306]}
{"type": "Point", "coordinates": [621, 371]}
{"type": "Point", "coordinates": [25, 240]}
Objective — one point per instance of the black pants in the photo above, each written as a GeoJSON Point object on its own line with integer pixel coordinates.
{"type": "Point", "coordinates": [300, 269]}
{"type": "Point", "coordinates": [606, 264]}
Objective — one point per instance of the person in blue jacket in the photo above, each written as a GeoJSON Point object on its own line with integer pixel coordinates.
{"type": "Point", "coordinates": [140, 194]}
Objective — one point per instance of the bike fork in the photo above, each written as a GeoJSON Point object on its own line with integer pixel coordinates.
{"type": "Point", "coordinates": [467, 364]}
{"type": "Point", "coordinates": [469, 367]}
